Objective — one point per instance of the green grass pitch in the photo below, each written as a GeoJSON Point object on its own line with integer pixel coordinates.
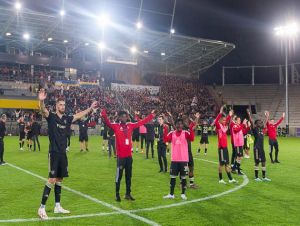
{"type": "Point", "coordinates": [93, 174]}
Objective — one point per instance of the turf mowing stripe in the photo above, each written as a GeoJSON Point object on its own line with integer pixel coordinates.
{"type": "Point", "coordinates": [121, 211]}
{"type": "Point", "coordinates": [59, 218]}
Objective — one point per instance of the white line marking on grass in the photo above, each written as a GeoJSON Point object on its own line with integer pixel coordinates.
{"type": "Point", "coordinates": [245, 182]}
{"type": "Point", "coordinates": [205, 160]}
{"type": "Point", "coordinates": [59, 218]}
{"type": "Point", "coordinates": [121, 211]}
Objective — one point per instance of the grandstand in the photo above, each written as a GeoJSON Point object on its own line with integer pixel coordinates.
{"type": "Point", "coordinates": [263, 97]}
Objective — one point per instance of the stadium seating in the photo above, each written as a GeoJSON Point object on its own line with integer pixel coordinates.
{"type": "Point", "coordinates": [264, 97]}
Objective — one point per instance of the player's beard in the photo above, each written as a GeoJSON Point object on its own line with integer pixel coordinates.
{"type": "Point", "coordinates": [61, 112]}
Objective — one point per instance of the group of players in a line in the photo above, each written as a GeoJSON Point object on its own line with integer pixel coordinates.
{"type": "Point", "coordinates": [179, 133]}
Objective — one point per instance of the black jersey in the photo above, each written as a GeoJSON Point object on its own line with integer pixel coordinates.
{"type": "Point", "coordinates": [57, 130]}
{"type": "Point", "coordinates": [22, 127]}
{"type": "Point", "coordinates": [35, 127]}
{"type": "Point", "coordinates": [258, 134]}
{"type": "Point", "coordinates": [204, 130]}
{"type": "Point", "coordinates": [83, 126]}
{"type": "Point", "coordinates": [2, 129]}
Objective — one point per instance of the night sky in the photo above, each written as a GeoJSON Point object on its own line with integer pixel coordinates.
{"type": "Point", "coordinates": [246, 23]}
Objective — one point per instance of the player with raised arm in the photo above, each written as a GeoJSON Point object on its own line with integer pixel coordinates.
{"type": "Point", "coordinates": [221, 123]}
{"type": "Point", "coordinates": [123, 132]}
{"type": "Point", "coordinates": [258, 128]}
{"type": "Point", "coordinates": [58, 124]}
{"type": "Point", "coordinates": [272, 133]}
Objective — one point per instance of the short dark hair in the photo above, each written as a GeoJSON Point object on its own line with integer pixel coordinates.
{"type": "Point", "coordinates": [122, 113]}
{"type": "Point", "coordinates": [60, 99]}
{"type": "Point", "coordinates": [178, 120]}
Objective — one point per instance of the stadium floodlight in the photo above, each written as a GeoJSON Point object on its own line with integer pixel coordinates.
{"type": "Point", "coordinates": [26, 36]}
{"type": "Point", "coordinates": [8, 34]}
{"type": "Point", "coordinates": [289, 30]}
{"type": "Point", "coordinates": [139, 25]}
{"type": "Point", "coordinates": [172, 31]}
{"type": "Point", "coordinates": [163, 53]}
{"type": "Point", "coordinates": [86, 44]}
{"type": "Point", "coordinates": [103, 19]}
{"type": "Point", "coordinates": [66, 41]}
{"type": "Point", "coordinates": [133, 49]}
{"type": "Point", "coordinates": [18, 6]}
{"type": "Point", "coordinates": [101, 45]}
{"type": "Point", "coordinates": [50, 39]}
{"type": "Point", "coordinates": [146, 51]}
{"type": "Point", "coordinates": [62, 12]}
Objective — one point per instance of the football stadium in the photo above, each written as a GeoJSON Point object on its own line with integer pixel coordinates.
{"type": "Point", "coordinates": [149, 112]}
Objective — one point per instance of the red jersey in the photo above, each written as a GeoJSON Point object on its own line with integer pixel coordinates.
{"type": "Point", "coordinates": [272, 129]}
{"type": "Point", "coordinates": [123, 133]}
{"type": "Point", "coordinates": [222, 131]}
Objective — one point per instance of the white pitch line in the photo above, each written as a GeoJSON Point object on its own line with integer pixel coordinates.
{"type": "Point", "coordinates": [59, 218]}
{"type": "Point", "coordinates": [245, 182]}
{"type": "Point", "coordinates": [121, 211]}
{"type": "Point", "coordinates": [205, 160]}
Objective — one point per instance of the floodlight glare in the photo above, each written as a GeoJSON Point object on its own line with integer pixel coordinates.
{"type": "Point", "coordinates": [146, 51]}
{"type": "Point", "coordinates": [8, 34]}
{"type": "Point", "coordinates": [86, 44]}
{"type": "Point", "coordinates": [66, 41]}
{"type": "Point", "coordinates": [139, 25]}
{"type": "Point", "coordinates": [50, 39]}
{"type": "Point", "coordinates": [133, 49]}
{"type": "Point", "coordinates": [62, 13]}
{"type": "Point", "coordinates": [26, 36]}
{"type": "Point", "coordinates": [101, 45]}
{"type": "Point", "coordinates": [172, 31]}
{"type": "Point", "coordinates": [18, 6]}
{"type": "Point", "coordinates": [289, 30]}
{"type": "Point", "coordinates": [103, 20]}
{"type": "Point", "coordinates": [163, 54]}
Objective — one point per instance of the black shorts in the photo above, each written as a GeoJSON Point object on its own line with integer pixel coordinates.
{"type": "Point", "coordinates": [22, 136]}
{"type": "Point", "coordinates": [259, 155]}
{"type": "Point", "coordinates": [105, 137]}
{"type": "Point", "coordinates": [204, 140]}
{"type": "Point", "coordinates": [135, 137]}
{"type": "Point", "coordinates": [245, 143]}
{"type": "Point", "coordinates": [191, 159]}
{"type": "Point", "coordinates": [29, 136]}
{"type": "Point", "coordinates": [239, 151]}
{"type": "Point", "coordinates": [223, 156]}
{"type": "Point", "coordinates": [273, 142]}
{"type": "Point", "coordinates": [58, 163]}
{"type": "Point", "coordinates": [83, 137]}
{"type": "Point", "coordinates": [180, 168]}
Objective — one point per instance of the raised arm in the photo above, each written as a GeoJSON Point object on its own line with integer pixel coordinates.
{"type": "Point", "coordinates": [267, 114]}
{"type": "Point", "coordinates": [144, 121]}
{"type": "Point", "coordinates": [190, 135]}
{"type": "Point", "coordinates": [105, 118]}
{"type": "Point", "coordinates": [280, 120]}
{"type": "Point", "coordinates": [42, 96]}
{"type": "Point", "coordinates": [81, 114]}
{"type": "Point", "coordinates": [167, 135]}
{"type": "Point", "coordinates": [250, 117]}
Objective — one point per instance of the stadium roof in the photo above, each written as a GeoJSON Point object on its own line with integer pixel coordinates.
{"type": "Point", "coordinates": [156, 51]}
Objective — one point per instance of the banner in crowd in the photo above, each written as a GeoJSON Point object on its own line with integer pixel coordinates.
{"type": "Point", "coordinates": [60, 83]}
{"type": "Point", "coordinates": [154, 90]}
